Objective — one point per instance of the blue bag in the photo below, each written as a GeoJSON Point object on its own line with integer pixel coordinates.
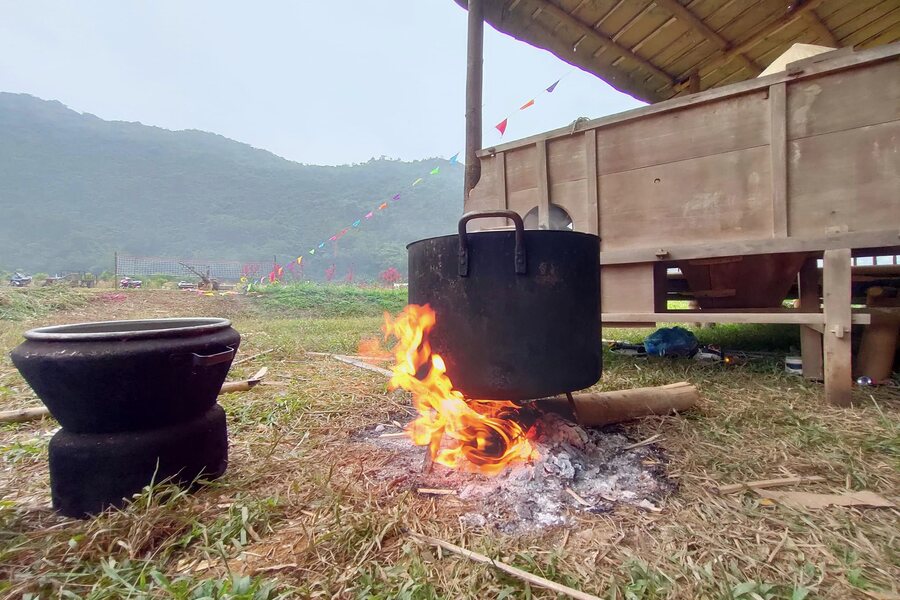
{"type": "Point", "coordinates": [671, 341]}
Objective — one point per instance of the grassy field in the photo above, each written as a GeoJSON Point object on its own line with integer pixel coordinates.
{"type": "Point", "coordinates": [298, 514]}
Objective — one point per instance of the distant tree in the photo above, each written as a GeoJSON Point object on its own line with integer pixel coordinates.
{"type": "Point", "coordinates": [329, 273]}
{"type": "Point", "coordinates": [390, 276]}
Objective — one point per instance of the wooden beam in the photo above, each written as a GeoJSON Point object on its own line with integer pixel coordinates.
{"type": "Point", "coordinates": [706, 316]}
{"type": "Point", "coordinates": [543, 186]}
{"type": "Point", "coordinates": [590, 33]}
{"type": "Point", "coordinates": [757, 36]}
{"type": "Point", "coordinates": [825, 35]}
{"type": "Point", "coordinates": [593, 182]}
{"type": "Point", "coordinates": [474, 82]}
{"type": "Point", "coordinates": [854, 239]}
{"type": "Point", "coordinates": [829, 64]}
{"type": "Point", "coordinates": [836, 292]}
{"type": "Point", "coordinates": [766, 30]}
{"type": "Point", "coordinates": [778, 157]}
{"type": "Point", "coordinates": [683, 13]}
{"type": "Point", "coordinates": [501, 180]}
{"type": "Point", "coordinates": [810, 338]}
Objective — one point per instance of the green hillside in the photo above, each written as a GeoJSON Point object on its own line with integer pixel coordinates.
{"type": "Point", "coordinates": [75, 188]}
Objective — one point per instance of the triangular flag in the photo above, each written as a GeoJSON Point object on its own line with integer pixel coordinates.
{"type": "Point", "coordinates": [435, 171]}
{"type": "Point", "coordinates": [553, 87]}
{"type": "Point", "coordinates": [313, 251]}
{"type": "Point", "coordinates": [454, 159]}
{"type": "Point", "coordinates": [332, 238]}
{"type": "Point", "coordinates": [417, 181]}
{"type": "Point", "coordinates": [501, 126]}
{"type": "Point", "coordinates": [280, 271]}
{"type": "Point", "coordinates": [395, 197]}
{"type": "Point", "coordinates": [382, 206]}
{"type": "Point", "coordinates": [299, 260]}
{"type": "Point", "coordinates": [526, 105]}
{"type": "Point", "coordinates": [369, 215]}
{"type": "Point", "coordinates": [322, 245]}
{"type": "Point", "coordinates": [357, 222]}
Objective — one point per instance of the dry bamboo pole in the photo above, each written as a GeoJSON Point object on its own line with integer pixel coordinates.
{"type": "Point", "coordinates": [22, 415]}
{"type": "Point", "coordinates": [595, 409]}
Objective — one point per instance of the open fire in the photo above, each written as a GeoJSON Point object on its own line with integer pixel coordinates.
{"type": "Point", "coordinates": [469, 435]}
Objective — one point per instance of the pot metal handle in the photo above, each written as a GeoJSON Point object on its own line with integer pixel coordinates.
{"type": "Point", "coordinates": [208, 360]}
{"type": "Point", "coordinates": [480, 214]}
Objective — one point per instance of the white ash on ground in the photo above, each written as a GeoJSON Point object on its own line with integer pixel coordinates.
{"type": "Point", "coordinates": [578, 471]}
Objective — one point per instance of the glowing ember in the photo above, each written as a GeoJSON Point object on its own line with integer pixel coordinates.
{"type": "Point", "coordinates": [471, 435]}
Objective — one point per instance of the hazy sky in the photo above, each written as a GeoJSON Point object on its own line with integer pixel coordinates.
{"type": "Point", "coordinates": [316, 82]}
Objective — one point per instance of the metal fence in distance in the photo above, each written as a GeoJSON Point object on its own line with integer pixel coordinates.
{"type": "Point", "coordinates": [223, 270]}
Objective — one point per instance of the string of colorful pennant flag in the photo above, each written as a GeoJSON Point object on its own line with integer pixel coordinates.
{"type": "Point", "coordinates": [501, 126]}
{"type": "Point", "coordinates": [278, 270]}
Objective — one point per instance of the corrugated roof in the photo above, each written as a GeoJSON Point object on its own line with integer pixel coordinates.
{"type": "Point", "coordinates": [654, 50]}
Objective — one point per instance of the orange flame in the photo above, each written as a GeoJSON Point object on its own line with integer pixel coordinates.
{"type": "Point", "coordinates": [471, 435]}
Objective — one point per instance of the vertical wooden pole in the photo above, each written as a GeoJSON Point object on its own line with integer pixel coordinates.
{"type": "Point", "coordinates": [593, 183]}
{"type": "Point", "coordinates": [474, 80]}
{"type": "Point", "coordinates": [500, 159]}
{"type": "Point", "coordinates": [543, 182]}
{"type": "Point", "coordinates": [778, 152]}
{"type": "Point", "coordinates": [810, 339]}
{"type": "Point", "coordinates": [836, 300]}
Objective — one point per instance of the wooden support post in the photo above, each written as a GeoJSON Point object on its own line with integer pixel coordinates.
{"type": "Point", "coordinates": [474, 81]}
{"type": "Point", "coordinates": [810, 339]}
{"type": "Point", "coordinates": [543, 186]}
{"type": "Point", "coordinates": [836, 300]}
{"type": "Point", "coordinates": [778, 153]}
{"type": "Point", "coordinates": [501, 181]}
{"type": "Point", "coordinates": [593, 182]}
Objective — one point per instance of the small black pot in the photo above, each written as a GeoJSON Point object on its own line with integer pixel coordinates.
{"type": "Point", "coordinates": [119, 376]}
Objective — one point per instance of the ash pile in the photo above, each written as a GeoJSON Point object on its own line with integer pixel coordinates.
{"type": "Point", "coordinates": [578, 472]}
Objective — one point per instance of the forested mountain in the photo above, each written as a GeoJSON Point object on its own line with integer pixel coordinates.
{"type": "Point", "coordinates": [75, 188]}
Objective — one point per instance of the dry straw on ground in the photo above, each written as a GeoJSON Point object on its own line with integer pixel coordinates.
{"type": "Point", "coordinates": [301, 513]}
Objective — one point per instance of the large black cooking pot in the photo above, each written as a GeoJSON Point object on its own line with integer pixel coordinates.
{"type": "Point", "coordinates": [517, 312]}
{"type": "Point", "coordinates": [119, 376]}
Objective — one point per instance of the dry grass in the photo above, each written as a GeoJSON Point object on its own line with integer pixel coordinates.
{"type": "Point", "coordinates": [299, 514]}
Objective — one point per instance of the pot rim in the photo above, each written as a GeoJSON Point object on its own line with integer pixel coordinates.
{"type": "Point", "coordinates": [123, 330]}
{"type": "Point", "coordinates": [510, 230]}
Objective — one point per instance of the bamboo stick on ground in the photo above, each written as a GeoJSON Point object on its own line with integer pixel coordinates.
{"type": "Point", "coordinates": [252, 357]}
{"type": "Point", "coordinates": [362, 365]}
{"type": "Point", "coordinates": [23, 415]}
{"type": "Point", "coordinates": [510, 570]}
{"type": "Point", "coordinates": [245, 385]}
{"type": "Point", "coordinates": [595, 409]}
{"type": "Point", "coordinates": [767, 483]}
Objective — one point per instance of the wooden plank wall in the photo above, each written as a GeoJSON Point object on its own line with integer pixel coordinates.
{"type": "Point", "coordinates": [802, 159]}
